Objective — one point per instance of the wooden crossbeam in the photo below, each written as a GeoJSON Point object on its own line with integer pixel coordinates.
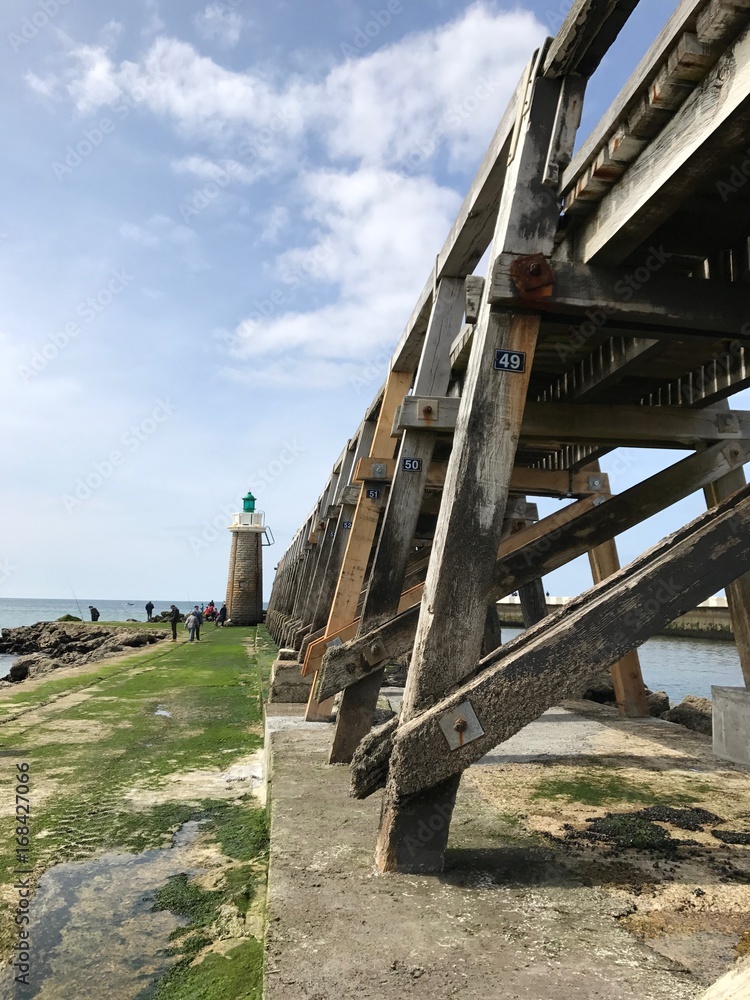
{"type": "Point", "coordinates": [519, 682]}
{"type": "Point", "coordinates": [647, 296]}
{"type": "Point", "coordinates": [557, 424]}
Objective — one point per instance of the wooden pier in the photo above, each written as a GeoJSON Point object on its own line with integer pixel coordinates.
{"type": "Point", "coordinates": [615, 312]}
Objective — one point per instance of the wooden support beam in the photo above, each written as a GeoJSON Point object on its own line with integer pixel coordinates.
{"type": "Point", "coordinates": [738, 592]}
{"type": "Point", "coordinates": [362, 529]}
{"type": "Point", "coordinates": [521, 680]}
{"type": "Point", "coordinates": [646, 296]}
{"type": "Point", "coordinates": [453, 612]}
{"type": "Point", "coordinates": [627, 678]}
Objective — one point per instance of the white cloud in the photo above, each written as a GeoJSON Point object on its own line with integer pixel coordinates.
{"type": "Point", "coordinates": [375, 228]}
{"type": "Point", "coordinates": [276, 223]}
{"type": "Point", "coordinates": [375, 215]}
{"type": "Point", "coordinates": [217, 22]}
{"type": "Point", "coordinates": [47, 87]}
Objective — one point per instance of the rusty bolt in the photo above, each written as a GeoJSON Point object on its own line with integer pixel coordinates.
{"type": "Point", "coordinates": [535, 269]}
{"type": "Point", "coordinates": [374, 649]}
{"type": "Point", "coordinates": [427, 409]}
{"type": "Point", "coordinates": [460, 725]}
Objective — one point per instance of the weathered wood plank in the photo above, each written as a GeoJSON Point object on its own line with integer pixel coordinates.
{"type": "Point", "coordinates": [711, 124]}
{"type": "Point", "coordinates": [682, 19]}
{"type": "Point", "coordinates": [521, 680]}
{"type": "Point", "coordinates": [586, 35]}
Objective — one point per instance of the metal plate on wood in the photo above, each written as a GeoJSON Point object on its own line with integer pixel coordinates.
{"type": "Point", "coordinates": [460, 726]}
{"type": "Point", "coordinates": [375, 652]}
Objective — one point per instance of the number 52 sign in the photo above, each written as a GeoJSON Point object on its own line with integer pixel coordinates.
{"type": "Point", "coordinates": [510, 361]}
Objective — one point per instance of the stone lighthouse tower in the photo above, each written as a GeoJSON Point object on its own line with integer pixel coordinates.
{"type": "Point", "coordinates": [245, 584]}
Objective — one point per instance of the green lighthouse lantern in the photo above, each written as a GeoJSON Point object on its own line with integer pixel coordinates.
{"type": "Point", "coordinates": [248, 503]}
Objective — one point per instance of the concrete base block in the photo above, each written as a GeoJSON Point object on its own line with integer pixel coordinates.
{"type": "Point", "coordinates": [287, 683]}
{"type": "Point", "coordinates": [732, 724]}
{"type": "Point", "coordinates": [287, 654]}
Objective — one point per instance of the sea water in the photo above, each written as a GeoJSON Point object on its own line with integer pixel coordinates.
{"type": "Point", "coordinates": [677, 666]}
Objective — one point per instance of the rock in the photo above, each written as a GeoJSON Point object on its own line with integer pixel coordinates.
{"type": "Point", "coordinates": [692, 713]}
{"type": "Point", "coordinates": [47, 645]}
{"type": "Point", "coordinates": [603, 693]}
{"type": "Point", "coordinates": [18, 672]}
{"type": "Point", "coordinates": [658, 703]}
{"type": "Point", "coordinates": [69, 618]}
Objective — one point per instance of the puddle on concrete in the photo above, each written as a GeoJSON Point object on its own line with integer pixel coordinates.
{"type": "Point", "coordinates": [93, 933]}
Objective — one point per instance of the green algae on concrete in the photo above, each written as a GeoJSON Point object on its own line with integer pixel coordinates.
{"type": "Point", "coordinates": [599, 787]}
{"type": "Point", "coordinates": [106, 748]}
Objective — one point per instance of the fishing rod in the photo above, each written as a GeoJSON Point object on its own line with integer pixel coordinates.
{"type": "Point", "coordinates": [80, 613]}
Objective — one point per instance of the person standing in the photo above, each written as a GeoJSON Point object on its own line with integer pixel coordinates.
{"type": "Point", "coordinates": [198, 622]}
{"type": "Point", "coordinates": [94, 613]}
{"type": "Point", "coordinates": [150, 611]}
{"type": "Point", "coordinates": [191, 624]}
{"type": "Point", "coordinates": [222, 616]}
{"type": "Point", "coordinates": [174, 617]}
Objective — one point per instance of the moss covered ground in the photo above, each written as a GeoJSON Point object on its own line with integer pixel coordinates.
{"type": "Point", "coordinates": [106, 752]}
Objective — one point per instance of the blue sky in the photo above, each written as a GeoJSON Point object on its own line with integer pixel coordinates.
{"type": "Point", "coordinates": [216, 220]}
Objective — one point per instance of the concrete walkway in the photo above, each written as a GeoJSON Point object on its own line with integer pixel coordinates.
{"type": "Point", "coordinates": [504, 921]}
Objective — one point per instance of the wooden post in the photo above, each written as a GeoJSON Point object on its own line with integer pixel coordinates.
{"type": "Point", "coordinates": [630, 691]}
{"type": "Point", "coordinates": [362, 528]}
{"type": "Point", "coordinates": [738, 592]}
{"type": "Point", "coordinates": [399, 523]}
{"type": "Point", "coordinates": [452, 618]}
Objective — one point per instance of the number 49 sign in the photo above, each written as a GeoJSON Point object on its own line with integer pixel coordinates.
{"type": "Point", "coordinates": [510, 361]}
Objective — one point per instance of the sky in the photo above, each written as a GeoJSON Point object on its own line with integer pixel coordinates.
{"type": "Point", "coordinates": [216, 219]}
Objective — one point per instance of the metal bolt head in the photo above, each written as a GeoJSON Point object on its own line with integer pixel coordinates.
{"type": "Point", "coordinates": [534, 268]}
{"type": "Point", "coordinates": [427, 409]}
{"type": "Point", "coordinates": [460, 725]}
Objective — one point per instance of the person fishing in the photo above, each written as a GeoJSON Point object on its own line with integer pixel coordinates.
{"type": "Point", "coordinates": [150, 611]}
{"type": "Point", "coordinates": [94, 613]}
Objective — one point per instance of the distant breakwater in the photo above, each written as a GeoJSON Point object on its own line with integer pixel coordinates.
{"type": "Point", "coordinates": [705, 622]}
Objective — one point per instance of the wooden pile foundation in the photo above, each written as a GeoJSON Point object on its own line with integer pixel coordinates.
{"type": "Point", "coordinates": [615, 313]}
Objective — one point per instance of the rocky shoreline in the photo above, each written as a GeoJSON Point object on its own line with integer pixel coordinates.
{"type": "Point", "coordinates": [46, 646]}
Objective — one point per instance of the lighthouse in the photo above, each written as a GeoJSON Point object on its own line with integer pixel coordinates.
{"type": "Point", "coordinates": [245, 584]}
